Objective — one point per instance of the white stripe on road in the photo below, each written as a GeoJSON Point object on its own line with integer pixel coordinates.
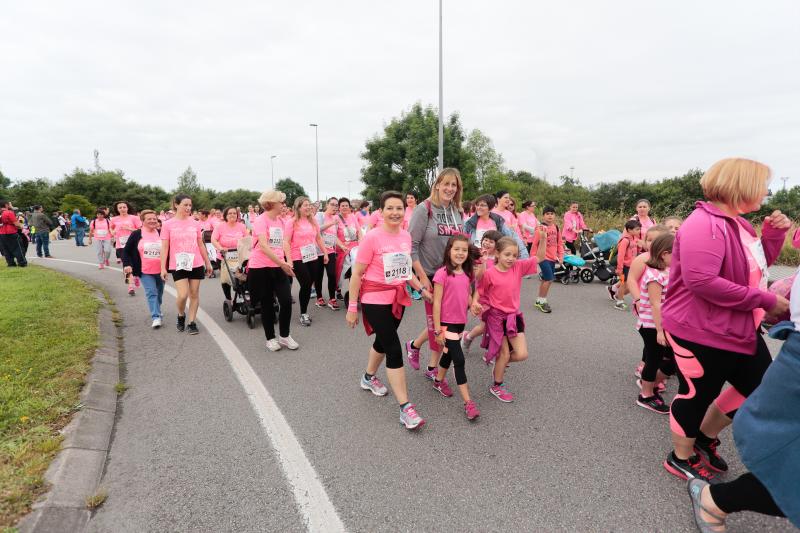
{"type": "Point", "coordinates": [314, 504]}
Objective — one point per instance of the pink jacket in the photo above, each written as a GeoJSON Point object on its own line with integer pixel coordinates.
{"type": "Point", "coordinates": [573, 219]}
{"type": "Point", "coordinates": [709, 301]}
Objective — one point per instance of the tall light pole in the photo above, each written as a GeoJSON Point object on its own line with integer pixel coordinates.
{"type": "Point", "coordinates": [571, 172]}
{"type": "Point", "coordinates": [441, 95]}
{"type": "Point", "coordinates": [272, 168]}
{"type": "Point", "coordinates": [316, 142]}
{"type": "Point", "coordinates": [348, 187]}
{"type": "Point", "coordinates": [784, 180]}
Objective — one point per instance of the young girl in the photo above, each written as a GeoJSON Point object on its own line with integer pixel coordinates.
{"type": "Point", "coordinates": [451, 296]}
{"type": "Point", "coordinates": [658, 356]}
{"type": "Point", "coordinates": [626, 251]}
{"type": "Point", "coordinates": [488, 243]}
{"type": "Point", "coordinates": [673, 224]}
{"type": "Point", "coordinates": [100, 232]}
{"type": "Point", "coordinates": [505, 327]}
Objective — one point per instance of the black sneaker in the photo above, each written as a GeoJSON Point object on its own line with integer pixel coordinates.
{"type": "Point", "coordinates": [653, 403]}
{"type": "Point", "coordinates": [193, 329]}
{"type": "Point", "coordinates": [181, 324]}
{"type": "Point", "coordinates": [339, 295]}
{"type": "Point", "coordinates": [692, 468]}
{"type": "Point", "coordinates": [708, 452]}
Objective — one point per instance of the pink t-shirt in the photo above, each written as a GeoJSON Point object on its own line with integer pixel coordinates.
{"type": "Point", "coordinates": [481, 227]}
{"type": "Point", "coordinates": [229, 236]}
{"type": "Point", "coordinates": [376, 218]}
{"type": "Point", "coordinates": [502, 289]}
{"type": "Point", "coordinates": [182, 237]}
{"type": "Point", "coordinates": [121, 234]}
{"type": "Point", "coordinates": [363, 220]}
{"type": "Point", "coordinates": [272, 230]}
{"type": "Point", "coordinates": [573, 223]}
{"type": "Point", "coordinates": [645, 307]}
{"type": "Point", "coordinates": [102, 231]}
{"type": "Point", "coordinates": [527, 219]}
{"type": "Point", "coordinates": [407, 217]}
{"type": "Point", "coordinates": [507, 216]}
{"type": "Point", "coordinates": [302, 235]}
{"type": "Point", "coordinates": [456, 296]}
{"type": "Point", "coordinates": [150, 252]}
{"type": "Point", "coordinates": [329, 235]}
{"type": "Point", "coordinates": [377, 247]}
{"type": "Point", "coordinates": [348, 232]}
{"type": "Point", "coordinates": [757, 262]}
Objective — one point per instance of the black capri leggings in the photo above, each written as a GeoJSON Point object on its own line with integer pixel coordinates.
{"type": "Point", "coordinates": [571, 246]}
{"type": "Point", "coordinates": [385, 325]}
{"type": "Point", "coordinates": [454, 353]}
{"type": "Point", "coordinates": [330, 270]}
{"type": "Point", "coordinates": [745, 493]}
{"type": "Point", "coordinates": [265, 284]}
{"type": "Point", "coordinates": [708, 369]}
{"type": "Point", "coordinates": [656, 357]}
{"type": "Point", "coordinates": [306, 273]}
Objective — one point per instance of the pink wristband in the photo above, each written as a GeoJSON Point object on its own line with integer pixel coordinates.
{"type": "Point", "coordinates": [352, 307]}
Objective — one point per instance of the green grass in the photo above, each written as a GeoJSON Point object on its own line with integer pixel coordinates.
{"type": "Point", "coordinates": [48, 325]}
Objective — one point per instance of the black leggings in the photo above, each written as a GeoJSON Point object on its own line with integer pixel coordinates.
{"type": "Point", "coordinates": [306, 273]}
{"type": "Point", "coordinates": [265, 284]}
{"type": "Point", "coordinates": [745, 493]}
{"type": "Point", "coordinates": [454, 353]}
{"type": "Point", "coordinates": [571, 246]}
{"type": "Point", "coordinates": [656, 357]}
{"type": "Point", "coordinates": [330, 269]}
{"type": "Point", "coordinates": [708, 369]}
{"type": "Point", "coordinates": [385, 325]}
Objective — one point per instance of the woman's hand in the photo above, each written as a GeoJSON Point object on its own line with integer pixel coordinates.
{"type": "Point", "coordinates": [164, 274]}
{"type": "Point", "coordinates": [778, 220]}
{"type": "Point", "coordinates": [476, 308]}
{"type": "Point", "coordinates": [427, 295]}
{"type": "Point", "coordinates": [352, 318]}
{"type": "Point", "coordinates": [325, 258]}
{"type": "Point", "coordinates": [781, 306]}
{"type": "Point", "coordinates": [287, 268]}
{"type": "Point", "coordinates": [127, 270]}
{"type": "Point", "coordinates": [440, 340]}
{"type": "Point", "coordinates": [209, 269]}
{"type": "Point", "coordinates": [661, 338]}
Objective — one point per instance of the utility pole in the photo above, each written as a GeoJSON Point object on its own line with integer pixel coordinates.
{"type": "Point", "coordinates": [316, 142]}
{"type": "Point", "coordinates": [272, 168]}
{"type": "Point", "coordinates": [96, 160]}
{"type": "Point", "coordinates": [441, 95]}
{"type": "Point", "coordinates": [571, 172]}
{"type": "Point", "coordinates": [784, 179]}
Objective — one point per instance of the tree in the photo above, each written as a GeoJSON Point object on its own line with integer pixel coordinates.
{"type": "Point", "coordinates": [25, 194]}
{"type": "Point", "coordinates": [70, 202]}
{"type": "Point", "coordinates": [102, 188]}
{"type": "Point", "coordinates": [5, 183]}
{"type": "Point", "coordinates": [236, 198]}
{"type": "Point", "coordinates": [187, 183]}
{"type": "Point", "coordinates": [291, 189]}
{"type": "Point", "coordinates": [486, 158]}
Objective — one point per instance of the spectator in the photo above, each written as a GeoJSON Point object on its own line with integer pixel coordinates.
{"type": "Point", "coordinates": [43, 224]}
{"type": "Point", "coordinates": [79, 223]}
{"type": "Point", "coordinates": [62, 224]}
{"type": "Point", "coordinates": [10, 227]}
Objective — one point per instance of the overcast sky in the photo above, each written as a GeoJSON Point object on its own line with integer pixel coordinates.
{"type": "Point", "coordinates": [622, 89]}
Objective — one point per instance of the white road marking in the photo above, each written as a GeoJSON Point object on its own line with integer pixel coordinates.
{"type": "Point", "coordinates": [312, 500]}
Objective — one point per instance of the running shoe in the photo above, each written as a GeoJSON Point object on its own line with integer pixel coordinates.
{"type": "Point", "coordinates": [443, 388]}
{"type": "Point", "coordinates": [695, 488]}
{"type": "Point", "coordinates": [107, 263]}
{"type": "Point", "coordinates": [288, 342]}
{"type": "Point", "coordinates": [131, 290]}
{"type": "Point", "coordinates": [374, 385]}
{"type": "Point", "coordinates": [339, 295]}
{"type": "Point", "coordinates": [620, 305]}
{"type": "Point", "coordinates": [466, 342]}
{"type": "Point", "coordinates": [413, 355]}
{"type": "Point", "coordinates": [654, 403]}
{"type": "Point", "coordinates": [661, 387]}
{"type": "Point", "coordinates": [471, 410]}
{"type": "Point", "coordinates": [273, 345]}
{"type": "Point", "coordinates": [102, 266]}
{"type": "Point", "coordinates": [612, 292]}
{"type": "Point", "coordinates": [156, 323]}
{"type": "Point", "coordinates": [313, 293]}
{"type": "Point", "coordinates": [136, 282]}
{"type": "Point", "coordinates": [500, 392]}
{"type": "Point", "coordinates": [638, 371]}
{"type": "Point", "coordinates": [431, 374]}
{"type": "Point", "coordinates": [181, 324]}
{"type": "Point", "coordinates": [409, 417]}
{"type": "Point", "coordinates": [708, 452]}
{"type": "Point", "coordinates": [692, 468]}
{"type": "Point", "coordinates": [334, 305]}
{"type": "Point", "coordinates": [305, 320]}
{"type": "Point", "coordinates": [119, 261]}
{"type": "Point", "coordinates": [192, 327]}
{"type": "Point", "coordinates": [320, 302]}
{"type": "Point", "coordinates": [544, 307]}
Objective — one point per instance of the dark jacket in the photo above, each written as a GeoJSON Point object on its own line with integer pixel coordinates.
{"type": "Point", "coordinates": [130, 253]}
{"type": "Point", "coordinates": [41, 222]}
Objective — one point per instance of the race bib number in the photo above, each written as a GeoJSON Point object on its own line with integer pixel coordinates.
{"type": "Point", "coordinates": [184, 261]}
{"type": "Point", "coordinates": [101, 232]}
{"type": "Point", "coordinates": [232, 255]}
{"type": "Point", "coordinates": [275, 237]}
{"type": "Point", "coordinates": [308, 253]}
{"type": "Point", "coordinates": [329, 240]}
{"type": "Point", "coordinates": [151, 250]}
{"type": "Point", "coordinates": [350, 234]}
{"type": "Point", "coordinates": [212, 252]}
{"type": "Point", "coordinates": [123, 241]}
{"type": "Point", "coordinates": [479, 233]}
{"type": "Point", "coordinates": [757, 249]}
{"type": "Point", "coordinates": [396, 267]}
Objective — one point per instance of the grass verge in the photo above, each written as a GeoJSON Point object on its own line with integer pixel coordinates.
{"type": "Point", "coordinates": [49, 331]}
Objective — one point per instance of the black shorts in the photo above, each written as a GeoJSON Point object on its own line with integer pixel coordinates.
{"type": "Point", "coordinates": [118, 252]}
{"type": "Point", "coordinates": [195, 273]}
{"type": "Point", "coordinates": [520, 326]}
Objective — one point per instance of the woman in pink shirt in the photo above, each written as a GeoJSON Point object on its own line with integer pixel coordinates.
{"type": "Point", "coordinates": [141, 257]}
{"type": "Point", "coordinates": [363, 216]}
{"type": "Point", "coordinates": [348, 233]}
{"type": "Point", "coordinates": [382, 269]}
{"type": "Point", "coordinates": [100, 233]}
{"type": "Point", "coordinates": [304, 241]}
{"type": "Point", "coordinates": [184, 255]}
{"type": "Point", "coordinates": [328, 221]}
{"type": "Point", "coordinates": [411, 204]}
{"type": "Point", "coordinates": [528, 222]}
{"type": "Point", "coordinates": [573, 224]}
{"type": "Point", "coordinates": [644, 218]}
{"type": "Point", "coordinates": [225, 239]}
{"type": "Point", "coordinates": [122, 226]}
{"type": "Point", "coordinates": [269, 268]}
{"type": "Point", "coordinates": [502, 208]}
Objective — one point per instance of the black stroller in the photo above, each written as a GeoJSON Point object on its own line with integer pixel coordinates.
{"type": "Point", "coordinates": [597, 253]}
{"type": "Point", "coordinates": [240, 302]}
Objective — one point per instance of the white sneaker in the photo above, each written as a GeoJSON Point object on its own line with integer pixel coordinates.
{"type": "Point", "coordinates": [156, 323]}
{"type": "Point", "coordinates": [273, 345]}
{"type": "Point", "coordinates": [289, 342]}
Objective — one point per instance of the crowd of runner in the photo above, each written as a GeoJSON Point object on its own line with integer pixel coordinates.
{"type": "Point", "coordinates": [698, 291]}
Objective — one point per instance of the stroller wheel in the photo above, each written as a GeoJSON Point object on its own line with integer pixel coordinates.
{"type": "Point", "coordinates": [574, 276]}
{"type": "Point", "coordinates": [587, 276]}
{"type": "Point", "coordinates": [251, 320]}
{"type": "Point", "coordinates": [227, 311]}
{"type": "Point", "coordinates": [564, 279]}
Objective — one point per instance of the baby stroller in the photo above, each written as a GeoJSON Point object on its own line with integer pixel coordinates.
{"type": "Point", "coordinates": [572, 271]}
{"type": "Point", "coordinates": [597, 251]}
{"type": "Point", "coordinates": [235, 264]}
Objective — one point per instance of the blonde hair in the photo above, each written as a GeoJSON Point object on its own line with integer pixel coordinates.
{"type": "Point", "coordinates": [145, 212]}
{"type": "Point", "coordinates": [505, 242]}
{"type": "Point", "coordinates": [434, 198]}
{"type": "Point", "coordinates": [298, 202]}
{"type": "Point", "coordinates": [269, 197]}
{"type": "Point", "coordinates": [735, 181]}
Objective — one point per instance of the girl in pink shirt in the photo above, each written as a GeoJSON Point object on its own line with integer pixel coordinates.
{"type": "Point", "coordinates": [452, 288]}
{"type": "Point", "coordinates": [100, 232]}
{"type": "Point", "coordinates": [382, 269]}
{"type": "Point", "coordinates": [122, 226]}
{"type": "Point", "coordinates": [505, 327]}
{"type": "Point", "coordinates": [304, 241]}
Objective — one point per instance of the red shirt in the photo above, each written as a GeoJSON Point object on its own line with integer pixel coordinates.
{"type": "Point", "coordinates": [8, 222]}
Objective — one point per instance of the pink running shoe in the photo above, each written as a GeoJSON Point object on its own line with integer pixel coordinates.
{"type": "Point", "coordinates": [432, 374]}
{"type": "Point", "coordinates": [101, 266]}
{"type": "Point", "coordinates": [500, 392]}
{"type": "Point", "coordinates": [413, 355]}
{"type": "Point", "coordinates": [471, 410]}
{"type": "Point", "coordinates": [131, 290]}
{"type": "Point", "coordinates": [410, 418]}
{"type": "Point", "coordinates": [639, 368]}
{"type": "Point", "coordinates": [107, 263]}
{"type": "Point", "coordinates": [443, 388]}
{"type": "Point", "coordinates": [137, 282]}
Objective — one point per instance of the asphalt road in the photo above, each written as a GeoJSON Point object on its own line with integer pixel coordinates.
{"type": "Point", "coordinates": [572, 453]}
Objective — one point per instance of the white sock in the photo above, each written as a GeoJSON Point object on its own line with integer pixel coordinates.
{"type": "Point", "coordinates": [541, 300]}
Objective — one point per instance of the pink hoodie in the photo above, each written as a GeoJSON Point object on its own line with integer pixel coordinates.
{"type": "Point", "coordinates": [709, 300]}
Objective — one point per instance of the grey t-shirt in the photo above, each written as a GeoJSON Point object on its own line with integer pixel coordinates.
{"type": "Point", "coordinates": [429, 236]}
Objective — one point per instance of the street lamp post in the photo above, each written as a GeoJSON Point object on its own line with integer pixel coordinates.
{"type": "Point", "coordinates": [272, 168]}
{"type": "Point", "coordinates": [571, 172]}
{"type": "Point", "coordinates": [441, 95]}
{"type": "Point", "coordinates": [316, 143]}
{"type": "Point", "coordinates": [348, 187]}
